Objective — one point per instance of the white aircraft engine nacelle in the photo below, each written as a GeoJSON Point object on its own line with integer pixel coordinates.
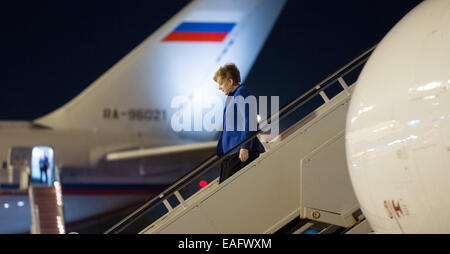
{"type": "Point", "coordinates": [398, 126]}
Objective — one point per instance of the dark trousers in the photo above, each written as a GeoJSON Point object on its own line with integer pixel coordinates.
{"type": "Point", "coordinates": [43, 171]}
{"type": "Point", "coordinates": [233, 164]}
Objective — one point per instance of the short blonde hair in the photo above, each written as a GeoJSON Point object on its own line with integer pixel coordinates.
{"type": "Point", "coordinates": [228, 71]}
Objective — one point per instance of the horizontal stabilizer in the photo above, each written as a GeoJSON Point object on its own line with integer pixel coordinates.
{"type": "Point", "coordinates": [158, 151]}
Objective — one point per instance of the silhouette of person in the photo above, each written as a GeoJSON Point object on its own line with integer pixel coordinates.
{"type": "Point", "coordinates": [43, 164]}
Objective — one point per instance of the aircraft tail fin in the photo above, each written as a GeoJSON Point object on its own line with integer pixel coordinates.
{"type": "Point", "coordinates": [182, 55]}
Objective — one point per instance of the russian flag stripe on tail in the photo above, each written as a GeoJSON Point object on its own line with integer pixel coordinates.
{"type": "Point", "coordinates": [204, 27]}
{"type": "Point", "coordinates": [183, 36]}
{"type": "Point", "coordinates": [200, 31]}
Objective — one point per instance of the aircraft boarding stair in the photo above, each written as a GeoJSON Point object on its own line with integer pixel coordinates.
{"type": "Point", "coordinates": [301, 182]}
{"type": "Point", "coordinates": [46, 209]}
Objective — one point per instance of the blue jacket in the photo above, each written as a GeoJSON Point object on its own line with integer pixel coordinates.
{"type": "Point", "coordinates": [230, 138]}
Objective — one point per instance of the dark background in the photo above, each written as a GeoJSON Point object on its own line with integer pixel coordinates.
{"type": "Point", "coordinates": [52, 50]}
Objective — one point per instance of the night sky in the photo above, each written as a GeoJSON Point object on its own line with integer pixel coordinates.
{"type": "Point", "coordinates": [52, 50]}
